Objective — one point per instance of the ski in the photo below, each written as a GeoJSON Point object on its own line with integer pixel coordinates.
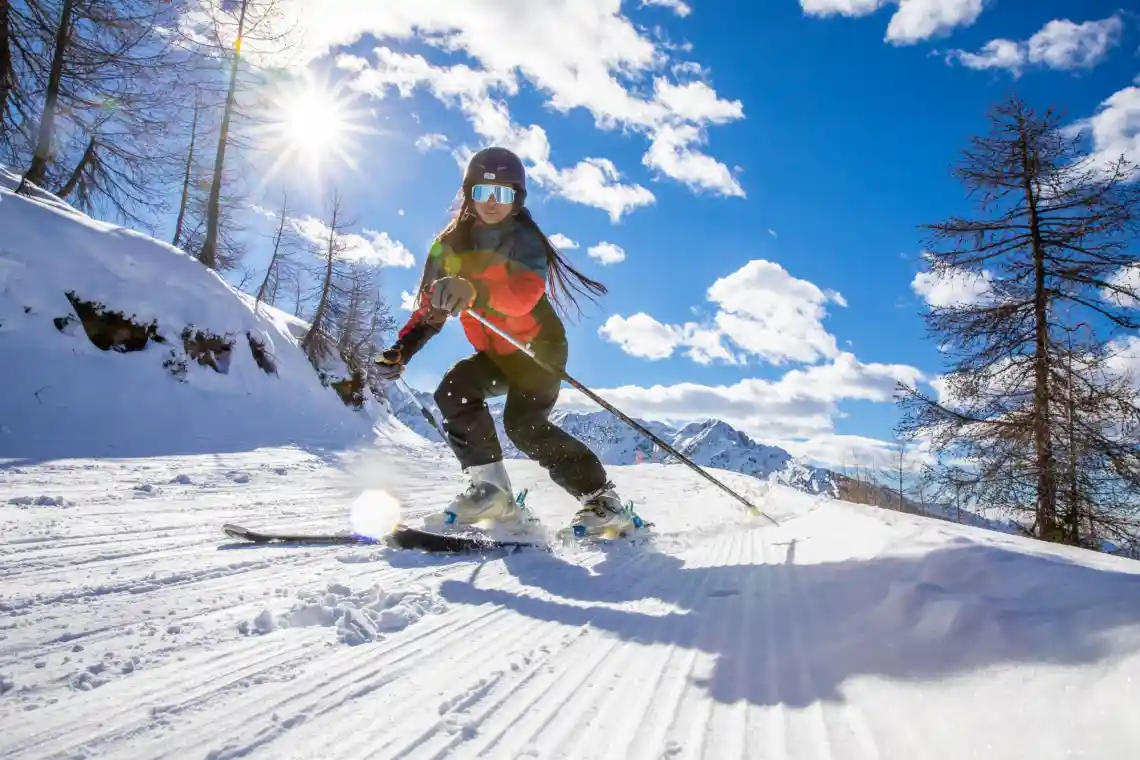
{"type": "Point", "coordinates": [403, 537]}
{"type": "Point", "coordinates": [422, 539]}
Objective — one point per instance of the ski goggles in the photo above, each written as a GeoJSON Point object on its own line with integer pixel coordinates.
{"type": "Point", "coordinates": [501, 193]}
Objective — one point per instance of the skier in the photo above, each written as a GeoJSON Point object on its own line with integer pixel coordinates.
{"type": "Point", "coordinates": [492, 258]}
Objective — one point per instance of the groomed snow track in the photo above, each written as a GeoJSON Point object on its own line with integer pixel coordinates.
{"type": "Point", "coordinates": [130, 630]}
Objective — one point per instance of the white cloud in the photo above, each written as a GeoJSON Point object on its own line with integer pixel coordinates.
{"type": "Point", "coordinates": [407, 300]}
{"type": "Point", "coordinates": [995, 54]}
{"type": "Point", "coordinates": [772, 232]}
{"type": "Point", "coordinates": [1125, 359]}
{"type": "Point", "coordinates": [672, 154]}
{"type": "Point", "coordinates": [562, 242]}
{"type": "Point", "coordinates": [1127, 278]}
{"type": "Point", "coordinates": [606, 253]}
{"type": "Point", "coordinates": [1060, 44]}
{"type": "Point", "coordinates": [641, 335]}
{"type": "Point", "coordinates": [583, 54]}
{"type": "Point", "coordinates": [431, 140]}
{"type": "Point", "coordinates": [773, 315]}
{"type": "Point", "coordinates": [379, 248]}
{"type": "Point", "coordinates": [697, 102]}
{"type": "Point", "coordinates": [918, 20]}
{"type": "Point", "coordinates": [761, 310]}
{"type": "Point", "coordinates": [688, 69]}
{"type": "Point", "coordinates": [371, 247]}
{"type": "Point", "coordinates": [848, 452]}
{"type": "Point", "coordinates": [957, 289]}
{"type": "Point", "coordinates": [1064, 45]}
{"type": "Point", "coordinates": [680, 7]}
{"type": "Point", "coordinates": [914, 21]}
{"type": "Point", "coordinates": [593, 181]}
{"type": "Point", "coordinates": [1115, 128]}
{"type": "Point", "coordinates": [795, 411]}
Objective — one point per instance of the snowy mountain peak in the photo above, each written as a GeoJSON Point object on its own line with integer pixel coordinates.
{"type": "Point", "coordinates": [710, 443]}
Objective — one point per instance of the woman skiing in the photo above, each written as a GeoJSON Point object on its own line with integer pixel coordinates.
{"type": "Point", "coordinates": [493, 259]}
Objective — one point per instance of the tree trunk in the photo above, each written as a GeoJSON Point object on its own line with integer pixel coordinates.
{"type": "Point", "coordinates": [38, 168]}
{"type": "Point", "coordinates": [73, 180]}
{"type": "Point", "coordinates": [209, 253]}
{"type": "Point", "coordinates": [7, 70]}
{"type": "Point", "coordinates": [313, 336]}
{"type": "Point", "coordinates": [1074, 516]}
{"type": "Point", "coordinates": [186, 177]}
{"type": "Point", "coordinates": [273, 259]}
{"type": "Point", "coordinates": [902, 462]}
{"type": "Point", "coordinates": [1042, 427]}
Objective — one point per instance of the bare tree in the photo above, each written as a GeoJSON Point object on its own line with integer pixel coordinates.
{"type": "Point", "coordinates": [1054, 228]}
{"type": "Point", "coordinates": [187, 174]}
{"type": "Point", "coordinates": [232, 207]}
{"type": "Point", "coordinates": [900, 450]}
{"type": "Point", "coordinates": [281, 265]}
{"type": "Point", "coordinates": [7, 67]}
{"type": "Point", "coordinates": [17, 87]}
{"type": "Point", "coordinates": [366, 318]}
{"type": "Point", "coordinates": [106, 76]}
{"type": "Point", "coordinates": [318, 342]}
{"type": "Point", "coordinates": [257, 22]}
{"type": "Point", "coordinates": [298, 297]}
{"type": "Point", "coordinates": [63, 34]}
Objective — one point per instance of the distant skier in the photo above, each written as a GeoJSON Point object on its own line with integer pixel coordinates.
{"type": "Point", "coordinates": [493, 258]}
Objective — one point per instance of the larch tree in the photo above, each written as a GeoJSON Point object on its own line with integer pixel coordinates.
{"type": "Point", "coordinates": [96, 84]}
{"type": "Point", "coordinates": [229, 30]}
{"type": "Point", "coordinates": [1053, 236]}
{"type": "Point", "coordinates": [282, 267]}
{"type": "Point", "coordinates": [320, 340]}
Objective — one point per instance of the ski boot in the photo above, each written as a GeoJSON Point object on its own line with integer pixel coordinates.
{"type": "Point", "coordinates": [487, 499]}
{"type": "Point", "coordinates": [603, 515]}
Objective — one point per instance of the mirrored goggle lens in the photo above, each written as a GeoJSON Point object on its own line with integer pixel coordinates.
{"type": "Point", "coordinates": [501, 193]}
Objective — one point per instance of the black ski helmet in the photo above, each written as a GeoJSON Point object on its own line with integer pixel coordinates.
{"type": "Point", "coordinates": [496, 165]}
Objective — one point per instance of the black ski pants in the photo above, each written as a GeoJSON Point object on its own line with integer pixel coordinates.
{"type": "Point", "coordinates": [531, 394]}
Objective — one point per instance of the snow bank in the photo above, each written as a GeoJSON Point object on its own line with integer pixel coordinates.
{"type": "Point", "coordinates": [65, 397]}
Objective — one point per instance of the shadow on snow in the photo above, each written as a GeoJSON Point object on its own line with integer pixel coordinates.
{"type": "Point", "coordinates": [794, 633]}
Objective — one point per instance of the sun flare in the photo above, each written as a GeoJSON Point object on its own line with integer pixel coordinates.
{"type": "Point", "coordinates": [309, 123]}
{"type": "Point", "coordinates": [313, 122]}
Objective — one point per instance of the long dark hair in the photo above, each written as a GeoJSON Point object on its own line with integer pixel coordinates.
{"type": "Point", "coordinates": [563, 279]}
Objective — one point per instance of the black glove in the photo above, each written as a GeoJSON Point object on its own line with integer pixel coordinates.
{"type": "Point", "coordinates": [452, 294]}
{"type": "Point", "coordinates": [389, 364]}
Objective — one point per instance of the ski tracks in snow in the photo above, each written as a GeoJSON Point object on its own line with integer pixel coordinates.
{"type": "Point", "coordinates": [130, 635]}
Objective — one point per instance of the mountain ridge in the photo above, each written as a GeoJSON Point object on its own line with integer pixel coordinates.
{"type": "Point", "coordinates": [710, 443]}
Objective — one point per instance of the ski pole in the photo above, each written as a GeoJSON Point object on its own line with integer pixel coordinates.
{"type": "Point", "coordinates": [624, 418]}
{"type": "Point", "coordinates": [424, 410]}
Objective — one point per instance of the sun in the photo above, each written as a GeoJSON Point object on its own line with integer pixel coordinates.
{"type": "Point", "coordinates": [313, 122]}
{"type": "Point", "coordinates": [309, 124]}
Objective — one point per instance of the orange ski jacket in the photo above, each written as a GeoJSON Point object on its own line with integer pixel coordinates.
{"type": "Point", "coordinates": [506, 263]}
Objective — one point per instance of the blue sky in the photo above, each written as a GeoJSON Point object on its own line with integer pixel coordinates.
{"type": "Point", "coordinates": [783, 243]}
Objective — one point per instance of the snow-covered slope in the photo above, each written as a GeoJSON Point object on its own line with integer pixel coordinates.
{"type": "Point", "coordinates": [128, 629]}
{"type": "Point", "coordinates": [711, 443]}
{"type": "Point", "coordinates": [64, 396]}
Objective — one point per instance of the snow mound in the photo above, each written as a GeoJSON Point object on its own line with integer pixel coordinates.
{"type": "Point", "coordinates": [357, 616]}
{"type": "Point", "coordinates": [117, 344]}
{"type": "Point", "coordinates": [39, 501]}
